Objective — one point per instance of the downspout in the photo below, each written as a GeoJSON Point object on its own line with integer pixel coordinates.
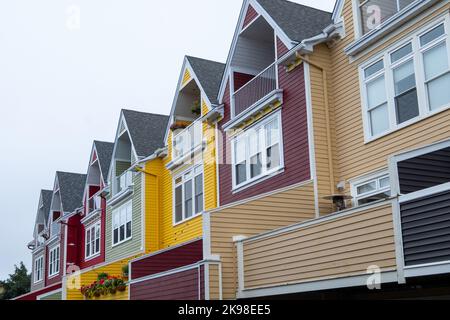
{"type": "Point", "coordinates": [327, 116]}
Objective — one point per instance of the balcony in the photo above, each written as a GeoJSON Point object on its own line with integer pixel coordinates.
{"type": "Point", "coordinates": [94, 204]}
{"type": "Point", "coordinates": [187, 141]}
{"type": "Point", "coordinates": [124, 181]}
{"type": "Point", "coordinates": [255, 90]}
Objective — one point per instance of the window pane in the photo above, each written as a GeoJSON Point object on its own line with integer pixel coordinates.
{"type": "Point", "coordinates": [240, 149]}
{"type": "Point", "coordinates": [241, 172]}
{"type": "Point", "coordinates": [199, 194]}
{"type": "Point", "coordinates": [374, 68]}
{"type": "Point", "coordinates": [122, 233]}
{"type": "Point", "coordinates": [439, 92]}
{"type": "Point", "coordinates": [128, 229]}
{"type": "Point", "coordinates": [273, 157]}
{"type": "Point", "coordinates": [432, 35]}
{"type": "Point", "coordinates": [116, 236]}
{"type": "Point", "coordinates": [368, 187]}
{"type": "Point", "coordinates": [255, 165]}
{"type": "Point", "coordinates": [407, 106]}
{"type": "Point", "coordinates": [178, 204]}
{"type": "Point", "coordinates": [97, 246]}
{"type": "Point", "coordinates": [385, 182]}
{"type": "Point", "coordinates": [379, 119]}
{"type": "Point", "coordinates": [188, 199]}
{"type": "Point", "coordinates": [435, 61]}
{"type": "Point", "coordinates": [404, 77]}
{"type": "Point", "coordinates": [272, 132]}
{"type": "Point", "coordinates": [376, 92]}
{"type": "Point", "coordinates": [401, 53]}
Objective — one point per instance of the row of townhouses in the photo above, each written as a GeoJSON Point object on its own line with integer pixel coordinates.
{"type": "Point", "coordinates": [314, 163]}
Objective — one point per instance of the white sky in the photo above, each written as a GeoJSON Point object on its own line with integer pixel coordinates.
{"type": "Point", "coordinates": [61, 88]}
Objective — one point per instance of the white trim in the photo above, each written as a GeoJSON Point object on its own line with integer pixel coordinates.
{"type": "Point", "coordinates": [416, 57]}
{"type": "Point", "coordinates": [427, 269]}
{"type": "Point", "coordinates": [206, 231]}
{"type": "Point", "coordinates": [143, 209]}
{"type": "Point", "coordinates": [47, 294]}
{"type": "Point", "coordinates": [56, 262]}
{"type": "Point", "coordinates": [115, 212]}
{"type": "Point", "coordinates": [261, 124]}
{"type": "Point", "coordinates": [352, 281]}
{"type": "Point", "coordinates": [42, 269]}
{"type": "Point", "coordinates": [398, 238]}
{"type": "Point", "coordinates": [311, 137]}
{"type": "Point", "coordinates": [91, 227]}
{"type": "Point", "coordinates": [238, 241]}
{"type": "Point", "coordinates": [424, 192]}
{"type": "Point", "coordinates": [366, 179]}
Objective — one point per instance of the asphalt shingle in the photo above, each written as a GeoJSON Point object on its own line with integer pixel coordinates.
{"type": "Point", "coordinates": [71, 186]}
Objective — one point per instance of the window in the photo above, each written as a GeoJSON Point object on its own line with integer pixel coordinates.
{"type": "Point", "coordinates": [188, 195]}
{"type": "Point", "coordinates": [257, 152]}
{"type": "Point", "coordinates": [374, 12]}
{"type": "Point", "coordinates": [122, 219]}
{"type": "Point", "coordinates": [371, 189]}
{"type": "Point", "coordinates": [38, 269]}
{"type": "Point", "coordinates": [408, 83]}
{"type": "Point", "coordinates": [92, 240]}
{"type": "Point", "coordinates": [54, 262]}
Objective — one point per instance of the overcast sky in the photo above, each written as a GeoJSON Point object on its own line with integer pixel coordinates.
{"type": "Point", "coordinates": [62, 84]}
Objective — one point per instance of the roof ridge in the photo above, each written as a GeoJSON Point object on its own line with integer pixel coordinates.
{"type": "Point", "coordinates": [148, 113]}
{"type": "Point", "coordinates": [304, 5]}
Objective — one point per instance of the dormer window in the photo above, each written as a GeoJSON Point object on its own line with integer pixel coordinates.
{"type": "Point", "coordinates": [373, 13]}
{"type": "Point", "coordinates": [122, 163]}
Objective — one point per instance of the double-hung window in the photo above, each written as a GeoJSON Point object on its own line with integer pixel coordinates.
{"type": "Point", "coordinates": [371, 189]}
{"type": "Point", "coordinates": [53, 268]}
{"type": "Point", "coordinates": [92, 241]}
{"type": "Point", "coordinates": [38, 269]}
{"type": "Point", "coordinates": [122, 220]}
{"type": "Point", "coordinates": [257, 152]}
{"type": "Point", "coordinates": [408, 82]}
{"type": "Point", "coordinates": [188, 194]}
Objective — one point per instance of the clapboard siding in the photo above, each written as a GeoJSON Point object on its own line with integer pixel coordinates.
{"type": "Point", "coordinates": [354, 157]}
{"type": "Point", "coordinates": [424, 171]}
{"type": "Point", "coordinates": [295, 142]}
{"type": "Point", "coordinates": [250, 16]}
{"type": "Point", "coordinates": [335, 248]}
{"type": "Point", "coordinates": [254, 217]}
{"type": "Point", "coordinates": [53, 297]}
{"type": "Point", "coordinates": [426, 229]}
{"type": "Point", "coordinates": [185, 285]}
{"type": "Point", "coordinates": [177, 257]}
{"type": "Point", "coordinates": [135, 245]}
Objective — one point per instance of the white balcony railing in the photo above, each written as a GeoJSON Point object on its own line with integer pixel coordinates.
{"type": "Point", "coordinates": [256, 89]}
{"type": "Point", "coordinates": [55, 228]}
{"type": "Point", "coordinates": [187, 140]}
{"type": "Point", "coordinates": [95, 203]}
{"type": "Point", "coordinates": [124, 181]}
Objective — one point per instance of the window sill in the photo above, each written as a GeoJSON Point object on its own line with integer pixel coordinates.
{"type": "Point", "coordinates": [406, 124]}
{"type": "Point", "coordinates": [87, 259]}
{"type": "Point", "coordinates": [176, 224]}
{"type": "Point", "coordinates": [53, 276]}
{"type": "Point", "coordinates": [122, 242]}
{"type": "Point", "coordinates": [38, 282]}
{"type": "Point", "coordinates": [252, 183]}
{"type": "Point", "coordinates": [120, 196]}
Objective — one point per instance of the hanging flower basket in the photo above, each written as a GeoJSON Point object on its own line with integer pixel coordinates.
{"type": "Point", "coordinates": [104, 285]}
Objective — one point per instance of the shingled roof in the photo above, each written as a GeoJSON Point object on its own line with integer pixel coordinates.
{"type": "Point", "coordinates": [210, 74]}
{"type": "Point", "coordinates": [71, 187]}
{"type": "Point", "coordinates": [146, 131]}
{"type": "Point", "coordinates": [104, 155]}
{"type": "Point", "coordinates": [299, 22]}
{"type": "Point", "coordinates": [46, 199]}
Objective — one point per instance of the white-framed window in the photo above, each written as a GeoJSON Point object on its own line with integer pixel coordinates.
{"type": "Point", "coordinates": [371, 188]}
{"type": "Point", "coordinates": [54, 262]}
{"type": "Point", "coordinates": [92, 240]}
{"type": "Point", "coordinates": [122, 223]}
{"type": "Point", "coordinates": [257, 152]}
{"type": "Point", "coordinates": [408, 82]}
{"type": "Point", "coordinates": [372, 13]}
{"type": "Point", "coordinates": [188, 194]}
{"type": "Point", "coordinates": [38, 269]}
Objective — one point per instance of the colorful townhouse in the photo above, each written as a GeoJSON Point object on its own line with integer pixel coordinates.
{"type": "Point", "coordinates": [376, 85]}
{"type": "Point", "coordinates": [114, 224]}
{"type": "Point", "coordinates": [52, 248]}
{"type": "Point", "coordinates": [314, 163]}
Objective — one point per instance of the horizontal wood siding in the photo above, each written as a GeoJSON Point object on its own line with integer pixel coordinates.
{"type": "Point", "coordinates": [53, 297]}
{"type": "Point", "coordinates": [354, 157]}
{"type": "Point", "coordinates": [336, 248]}
{"type": "Point", "coordinates": [250, 16]}
{"type": "Point", "coordinates": [426, 229]}
{"type": "Point", "coordinates": [135, 245]}
{"type": "Point", "coordinates": [252, 218]}
{"type": "Point", "coordinates": [32, 296]}
{"type": "Point", "coordinates": [185, 285]}
{"type": "Point", "coordinates": [171, 259]}
{"type": "Point", "coordinates": [295, 142]}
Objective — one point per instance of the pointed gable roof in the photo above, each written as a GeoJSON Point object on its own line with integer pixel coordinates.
{"type": "Point", "coordinates": [146, 131]}
{"type": "Point", "coordinates": [104, 155]}
{"type": "Point", "coordinates": [299, 22]}
{"type": "Point", "coordinates": [209, 74]}
{"type": "Point", "coordinates": [44, 202]}
{"type": "Point", "coordinates": [71, 188]}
